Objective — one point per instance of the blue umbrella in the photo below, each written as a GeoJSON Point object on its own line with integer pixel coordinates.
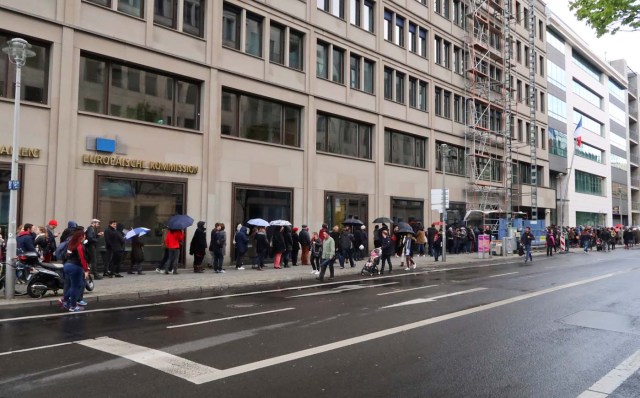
{"type": "Point", "coordinates": [139, 231]}
{"type": "Point", "coordinates": [179, 221]}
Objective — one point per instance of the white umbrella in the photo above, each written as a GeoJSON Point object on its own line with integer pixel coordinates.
{"type": "Point", "coordinates": [136, 231]}
{"type": "Point", "coordinates": [258, 222]}
{"type": "Point", "coordinates": [280, 223]}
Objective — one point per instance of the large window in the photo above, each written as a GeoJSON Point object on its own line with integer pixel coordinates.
{"type": "Point", "coordinates": [616, 90]}
{"type": "Point", "coordinates": [588, 123]}
{"type": "Point", "coordinates": [405, 210]}
{"type": "Point", "coordinates": [404, 149]}
{"type": "Point", "coordinates": [589, 183]}
{"type": "Point", "coordinates": [555, 41]}
{"type": "Point", "coordinates": [556, 108]}
{"type": "Point", "coordinates": [489, 168]}
{"type": "Point", "coordinates": [586, 94]}
{"type": "Point", "coordinates": [343, 136]}
{"type": "Point", "coordinates": [586, 66]}
{"type": "Point", "coordinates": [35, 73]}
{"type": "Point", "coordinates": [454, 162]}
{"type": "Point", "coordinates": [260, 119]}
{"type": "Point", "coordinates": [140, 200]}
{"type": "Point", "coordinates": [117, 89]}
{"type": "Point", "coordinates": [340, 206]}
{"type": "Point", "coordinates": [556, 75]}
{"type": "Point", "coordinates": [589, 152]}
{"type": "Point", "coordinates": [619, 162]}
{"type": "Point", "coordinates": [361, 73]}
{"type": "Point", "coordinates": [557, 143]}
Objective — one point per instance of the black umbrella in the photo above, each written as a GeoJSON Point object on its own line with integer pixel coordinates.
{"type": "Point", "coordinates": [352, 221]}
{"type": "Point", "coordinates": [179, 221]}
{"type": "Point", "coordinates": [404, 228]}
{"type": "Point", "coordinates": [382, 220]}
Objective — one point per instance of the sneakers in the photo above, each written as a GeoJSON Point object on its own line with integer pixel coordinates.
{"type": "Point", "coordinates": [240, 268]}
{"type": "Point", "coordinates": [76, 309]}
{"type": "Point", "coordinates": [407, 269]}
{"type": "Point", "coordinates": [82, 303]}
{"type": "Point", "coordinates": [413, 266]}
{"type": "Point", "coordinates": [313, 272]}
{"type": "Point", "coordinates": [118, 276]}
{"type": "Point", "coordinates": [221, 271]}
{"type": "Point", "coordinates": [158, 270]}
{"type": "Point", "coordinates": [63, 304]}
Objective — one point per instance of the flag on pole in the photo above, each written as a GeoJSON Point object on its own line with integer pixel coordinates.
{"type": "Point", "coordinates": [577, 134]}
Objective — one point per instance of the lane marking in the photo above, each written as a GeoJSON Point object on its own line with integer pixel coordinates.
{"type": "Point", "coordinates": [206, 374]}
{"type": "Point", "coordinates": [406, 290]}
{"type": "Point", "coordinates": [162, 361]}
{"type": "Point", "coordinates": [36, 348]}
{"type": "Point", "coordinates": [342, 289]}
{"type": "Point", "coordinates": [254, 293]}
{"type": "Point", "coordinates": [229, 318]}
{"type": "Point", "coordinates": [508, 273]}
{"type": "Point", "coordinates": [431, 299]}
{"type": "Point", "coordinates": [612, 380]}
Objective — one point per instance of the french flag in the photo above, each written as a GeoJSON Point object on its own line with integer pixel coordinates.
{"type": "Point", "coordinates": [577, 134]}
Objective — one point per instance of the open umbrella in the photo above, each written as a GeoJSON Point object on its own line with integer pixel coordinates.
{"type": "Point", "coordinates": [404, 228]}
{"type": "Point", "coordinates": [139, 231]}
{"type": "Point", "coordinates": [179, 221]}
{"type": "Point", "coordinates": [352, 221]}
{"type": "Point", "coordinates": [280, 223]}
{"type": "Point", "coordinates": [382, 220]}
{"type": "Point", "coordinates": [258, 222]}
{"type": "Point", "coordinates": [438, 223]}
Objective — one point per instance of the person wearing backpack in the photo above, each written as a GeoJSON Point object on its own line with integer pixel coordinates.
{"type": "Point", "coordinates": [76, 270]}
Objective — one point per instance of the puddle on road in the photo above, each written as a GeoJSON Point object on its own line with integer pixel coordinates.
{"type": "Point", "coordinates": [605, 321]}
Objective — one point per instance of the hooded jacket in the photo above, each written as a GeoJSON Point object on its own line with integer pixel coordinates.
{"type": "Point", "coordinates": [241, 240]}
{"type": "Point", "coordinates": [66, 234]}
{"type": "Point", "coordinates": [25, 242]}
{"type": "Point", "coordinates": [199, 241]}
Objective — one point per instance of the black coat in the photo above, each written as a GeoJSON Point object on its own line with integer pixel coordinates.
{"type": "Point", "coordinates": [387, 246]}
{"type": "Point", "coordinates": [305, 238]}
{"type": "Point", "coordinates": [114, 239]}
{"type": "Point", "coordinates": [137, 251]}
{"type": "Point", "coordinates": [262, 244]}
{"type": "Point", "coordinates": [295, 241]}
{"type": "Point", "coordinates": [198, 242]}
{"type": "Point", "coordinates": [279, 246]}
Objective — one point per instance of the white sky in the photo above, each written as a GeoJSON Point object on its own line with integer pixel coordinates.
{"type": "Point", "coordinates": [621, 45]}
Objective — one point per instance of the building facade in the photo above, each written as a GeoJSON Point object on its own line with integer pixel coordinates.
{"type": "Point", "coordinates": [310, 111]}
{"type": "Point", "coordinates": [592, 178]}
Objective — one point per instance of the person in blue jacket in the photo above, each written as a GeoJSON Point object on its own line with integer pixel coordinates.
{"type": "Point", "coordinates": [242, 245]}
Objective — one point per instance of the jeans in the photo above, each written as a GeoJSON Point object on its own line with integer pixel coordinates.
{"type": "Point", "coordinates": [218, 258]}
{"type": "Point", "coordinates": [387, 258]}
{"type": "Point", "coordinates": [74, 279]}
{"type": "Point", "coordinates": [327, 262]}
{"type": "Point", "coordinates": [437, 252]}
{"type": "Point", "coordinates": [240, 258]}
{"type": "Point", "coordinates": [315, 262]}
{"type": "Point", "coordinates": [421, 249]}
{"type": "Point", "coordinates": [260, 260]}
{"type": "Point", "coordinates": [527, 253]}
{"type": "Point", "coordinates": [173, 255]}
{"type": "Point", "coordinates": [344, 255]}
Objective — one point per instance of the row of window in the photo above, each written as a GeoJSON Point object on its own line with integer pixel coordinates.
{"type": "Point", "coordinates": [394, 89]}
{"type": "Point", "coordinates": [588, 183]}
{"type": "Point", "coordinates": [586, 94]}
{"type": "Point", "coordinates": [394, 31]}
{"type": "Point", "coordinates": [165, 12]}
{"type": "Point", "coordinates": [590, 152]}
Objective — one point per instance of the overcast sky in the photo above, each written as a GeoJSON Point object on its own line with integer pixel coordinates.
{"type": "Point", "coordinates": [608, 47]}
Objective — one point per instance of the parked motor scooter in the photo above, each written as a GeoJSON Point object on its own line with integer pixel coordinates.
{"type": "Point", "coordinates": [49, 276]}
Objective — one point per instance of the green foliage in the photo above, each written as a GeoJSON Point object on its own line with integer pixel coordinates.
{"type": "Point", "coordinates": [608, 16]}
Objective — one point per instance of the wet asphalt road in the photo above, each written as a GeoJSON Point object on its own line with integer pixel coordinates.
{"type": "Point", "coordinates": [551, 329]}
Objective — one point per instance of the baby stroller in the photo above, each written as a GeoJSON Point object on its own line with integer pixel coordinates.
{"type": "Point", "coordinates": [371, 266]}
{"type": "Point", "coordinates": [599, 245]}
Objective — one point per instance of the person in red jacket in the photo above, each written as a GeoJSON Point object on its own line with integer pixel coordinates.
{"type": "Point", "coordinates": [172, 242]}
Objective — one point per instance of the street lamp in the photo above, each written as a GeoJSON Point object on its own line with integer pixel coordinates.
{"type": "Point", "coordinates": [620, 204]}
{"type": "Point", "coordinates": [559, 176]}
{"type": "Point", "coordinates": [444, 151]}
{"type": "Point", "coordinates": [18, 51]}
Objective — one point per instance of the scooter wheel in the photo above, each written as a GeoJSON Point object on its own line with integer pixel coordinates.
{"type": "Point", "coordinates": [36, 288]}
{"type": "Point", "coordinates": [89, 285]}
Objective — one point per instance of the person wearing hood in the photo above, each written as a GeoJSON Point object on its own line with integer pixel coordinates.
{"type": "Point", "coordinates": [241, 246]}
{"type": "Point", "coordinates": [114, 244]}
{"type": "Point", "coordinates": [198, 247]}
{"type": "Point", "coordinates": [66, 234]}
{"type": "Point", "coordinates": [218, 246]}
{"type": "Point", "coordinates": [25, 241]}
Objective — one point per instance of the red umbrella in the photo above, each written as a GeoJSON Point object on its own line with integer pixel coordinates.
{"type": "Point", "coordinates": [438, 223]}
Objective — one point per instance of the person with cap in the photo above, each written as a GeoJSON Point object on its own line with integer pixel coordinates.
{"type": "Point", "coordinates": [305, 244]}
{"type": "Point", "coordinates": [198, 247]}
{"type": "Point", "coordinates": [295, 246]}
{"type": "Point", "coordinates": [51, 241]}
{"type": "Point", "coordinates": [91, 235]}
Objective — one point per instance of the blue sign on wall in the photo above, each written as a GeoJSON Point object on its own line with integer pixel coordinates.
{"type": "Point", "coordinates": [105, 145]}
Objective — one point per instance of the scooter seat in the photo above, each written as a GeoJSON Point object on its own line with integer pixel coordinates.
{"type": "Point", "coordinates": [53, 266]}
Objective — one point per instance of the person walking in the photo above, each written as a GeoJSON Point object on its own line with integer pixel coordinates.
{"type": "Point", "coordinates": [305, 244]}
{"type": "Point", "coordinates": [241, 242]}
{"type": "Point", "coordinates": [76, 270]}
{"type": "Point", "coordinates": [218, 247]}
{"type": "Point", "coordinates": [262, 247]}
{"type": "Point", "coordinates": [137, 255]}
{"type": "Point", "coordinates": [316, 253]}
{"type": "Point", "coordinates": [436, 245]}
{"type": "Point", "coordinates": [328, 257]}
{"type": "Point", "coordinates": [91, 235]}
{"type": "Point", "coordinates": [526, 239]}
{"type": "Point", "coordinates": [198, 247]}
{"type": "Point", "coordinates": [585, 240]}
{"type": "Point", "coordinates": [408, 252]}
{"type": "Point", "coordinates": [346, 247]}
{"type": "Point", "coordinates": [387, 250]}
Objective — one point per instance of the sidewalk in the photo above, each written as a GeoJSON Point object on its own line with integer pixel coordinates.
{"type": "Point", "coordinates": [209, 283]}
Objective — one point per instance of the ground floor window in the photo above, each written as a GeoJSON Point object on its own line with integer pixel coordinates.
{"type": "Point", "coordinates": [406, 210]}
{"type": "Point", "coordinates": [340, 206]}
{"type": "Point", "coordinates": [140, 201]}
{"type": "Point", "coordinates": [590, 219]}
{"type": "Point", "coordinates": [5, 176]}
{"type": "Point", "coordinates": [268, 203]}
{"type": "Point", "coordinates": [455, 213]}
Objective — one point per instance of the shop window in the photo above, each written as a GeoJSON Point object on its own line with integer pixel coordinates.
{"type": "Point", "coordinates": [340, 206]}
{"type": "Point", "coordinates": [259, 119]}
{"type": "Point", "coordinates": [138, 94]}
{"type": "Point", "coordinates": [409, 211]}
{"type": "Point", "coordinates": [35, 72]}
{"type": "Point", "coordinates": [140, 201]}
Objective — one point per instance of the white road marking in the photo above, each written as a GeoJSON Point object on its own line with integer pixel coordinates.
{"type": "Point", "coordinates": [431, 299]}
{"type": "Point", "coordinates": [171, 364]}
{"type": "Point", "coordinates": [405, 290]}
{"type": "Point", "coordinates": [207, 374]}
{"type": "Point", "coordinates": [508, 273]}
{"type": "Point", "coordinates": [255, 293]}
{"type": "Point", "coordinates": [343, 289]}
{"type": "Point", "coordinates": [35, 348]}
{"type": "Point", "coordinates": [229, 318]}
{"type": "Point", "coordinates": [612, 380]}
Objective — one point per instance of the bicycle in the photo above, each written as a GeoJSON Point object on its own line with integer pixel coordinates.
{"type": "Point", "coordinates": [20, 288]}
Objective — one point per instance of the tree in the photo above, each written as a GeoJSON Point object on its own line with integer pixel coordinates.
{"type": "Point", "coordinates": [608, 16]}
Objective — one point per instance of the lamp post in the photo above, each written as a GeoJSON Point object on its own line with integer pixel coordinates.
{"type": "Point", "coordinates": [444, 150]}
{"type": "Point", "coordinates": [18, 51]}
{"type": "Point", "coordinates": [561, 200]}
{"type": "Point", "coordinates": [620, 204]}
